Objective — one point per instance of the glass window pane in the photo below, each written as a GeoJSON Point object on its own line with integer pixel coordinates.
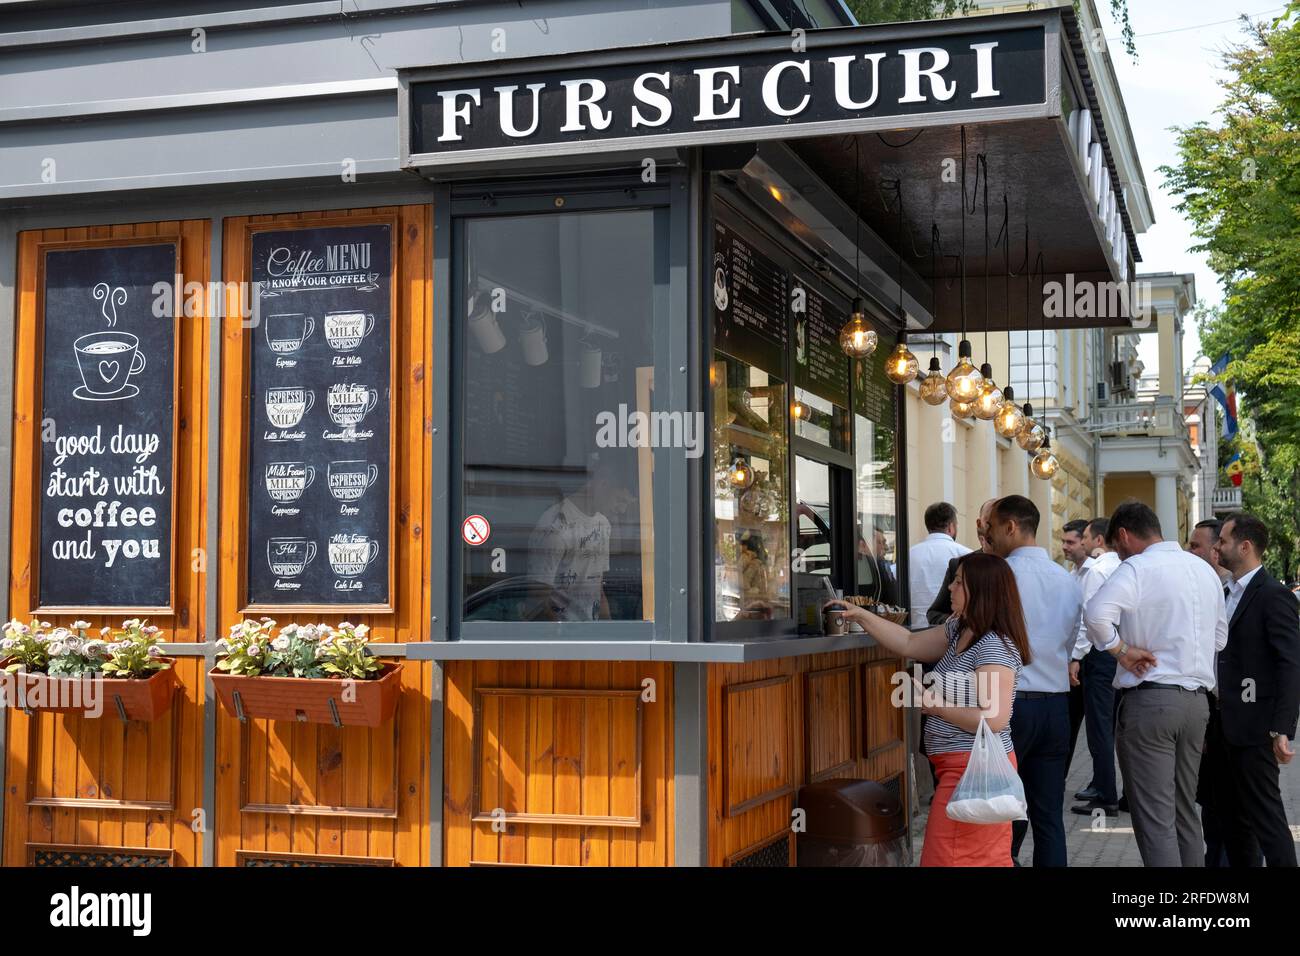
{"type": "Point", "coordinates": [751, 500]}
{"type": "Point", "coordinates": [875, 480]}
{"type": "Point", "coordinates": [558, 356]}
{"type": "Point", "coordinates": [821, 369]}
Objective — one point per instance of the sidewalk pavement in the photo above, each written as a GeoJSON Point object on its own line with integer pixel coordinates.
{"type": "Point", "coordinates": [1111, 844]}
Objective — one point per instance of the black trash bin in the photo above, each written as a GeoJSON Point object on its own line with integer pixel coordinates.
{"type": "Point", "coordinates": [851, 823]}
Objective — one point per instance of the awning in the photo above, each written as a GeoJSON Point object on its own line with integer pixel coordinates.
{"type": "Point", "coordinates": [902, 92]}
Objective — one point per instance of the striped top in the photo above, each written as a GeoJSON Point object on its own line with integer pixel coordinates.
{"type": "Point", "coordinates": [955, 676]}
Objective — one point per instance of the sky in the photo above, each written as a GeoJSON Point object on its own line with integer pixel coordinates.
{"type": "Point", "coordinates": [1174, 82]}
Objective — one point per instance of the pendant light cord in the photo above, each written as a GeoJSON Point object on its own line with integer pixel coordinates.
{"type": "Point", "coordinates": [857, 218]}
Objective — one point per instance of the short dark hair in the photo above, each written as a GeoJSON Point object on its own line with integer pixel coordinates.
{"type": "Point", "coordinates": [1214, 524]}
{"type": "Point", "coordinates": [939, 515]}
{"type": "Point", "coordinates": [1247, 527]}
{"type": "Point", "coordinates": [1136, 518]}
{"type": "Point", "coordinates": [1077, 526]}
{"type": "Point", "coordinates": [1019, 509]}
{"type": "Point", "coordinates": [1098, 527]}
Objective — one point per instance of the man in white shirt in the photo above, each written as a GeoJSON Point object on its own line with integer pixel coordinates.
{"type": "Point", "coordinates": [1161, 615]}
{"type": "Point", "coordinates": [928, 559]}
{"type": "Point", "coordinates": [1040, 722]}
{"type": "Point", "coordinates": [1077, 554]}
{"type": "Point", "coordinates": [1095, 671]}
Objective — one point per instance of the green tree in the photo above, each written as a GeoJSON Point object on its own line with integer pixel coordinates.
{"type": "Point", "coordinates": [1239, 185]}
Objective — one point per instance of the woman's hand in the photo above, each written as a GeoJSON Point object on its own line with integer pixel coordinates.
{"type": "Point", "coordinates": [851, 611]}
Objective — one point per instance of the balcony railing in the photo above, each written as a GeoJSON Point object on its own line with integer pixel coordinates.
{"type": "Point", "coordinates": [1138, 419]}
{"type": "Point", "coordinates": [1227, 499]}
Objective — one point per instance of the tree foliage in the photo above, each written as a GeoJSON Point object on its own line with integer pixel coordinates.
{"type": "Point", "coordinates": [1238, 180]}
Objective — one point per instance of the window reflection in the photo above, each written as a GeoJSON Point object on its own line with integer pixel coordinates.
{"type": "Point", "coordinates": [557, 354]}
{"type": "Point", "coordinates": [875, 482]}
{"type": "Point", "coordinates": [751, 499]}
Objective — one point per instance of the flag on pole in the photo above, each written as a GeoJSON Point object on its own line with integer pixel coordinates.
{"type": "Point", "coordinates": [1233, 468]}
{"type": "Point", "coordinates": [1226, 396]}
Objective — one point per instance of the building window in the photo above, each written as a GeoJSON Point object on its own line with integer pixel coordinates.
{"type": "Point", "coordinates": [557, 315]}
{"type": "Point", "coordinates": [875, 479]}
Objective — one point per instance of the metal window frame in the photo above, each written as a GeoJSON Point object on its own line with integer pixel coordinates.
{"type": "Point", "coordinates": [457, 202]}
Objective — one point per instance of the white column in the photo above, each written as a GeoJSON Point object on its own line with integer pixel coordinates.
{"type": "Point", "coordinates": [1167, 505]}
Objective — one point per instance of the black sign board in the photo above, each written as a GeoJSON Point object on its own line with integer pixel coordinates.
{"type": "Point", "coordinates": [108, 373]}
{"type": "Point", "coordinates": [820, 364]}
{"type": "Point", "coordinates": [756, 87]}
{"type": "Point", "coordinates": [874, 394]}
{"type": "Point", "coordinates": [319, 479]}
{"type": "Point", "coordinates": [751, 302]}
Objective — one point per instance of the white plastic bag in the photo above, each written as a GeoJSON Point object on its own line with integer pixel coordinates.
{"type": "Point", "coordinates": [990, 790]}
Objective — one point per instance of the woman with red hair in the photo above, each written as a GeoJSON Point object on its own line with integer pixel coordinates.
{"type": "Point", "coordinates": [977, 656]}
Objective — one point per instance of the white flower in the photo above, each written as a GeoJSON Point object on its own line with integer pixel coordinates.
{"type": "Point", "coordinates": [362, 630]}
{"type": "Point", "coordinates": [254, 649]}
{"type": "Point", "coordinates": [281, 643]}
{"type": "Point", "coordinates": [7, 644]}
{"type": "Point", "coordinates": [133, 623]}
{"type": "Point", "coordinates": [55, 648]}
{"type": "Point", "coordinates": [94, 648]}
{"type": "Point", "coordinates": [151, 630]}
{"type": "Point", "coordinates": [81, 625]}
{"type": "Point", "coordinates": [60, 634]}
{"type": "Point", "coordinates": [155, 650]}
{"type": "Point", "coordinates": [345, 626]}
{"type": "Point", "coordinates": [105, 631]}
{"type": "Point", "coordinates": [223, 645]}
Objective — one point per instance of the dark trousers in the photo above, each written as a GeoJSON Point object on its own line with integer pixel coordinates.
{"type": "Point", "coordinates": [1078, 708]}
{"type": "Point", "coordinates": [1249, 808]}
{"type": "Point", "coordinates": [1040, 731]}
{"type": "Point", "coordinates": [1214, 771]}
{"type": "Point", "coordinates": [1099, 714]}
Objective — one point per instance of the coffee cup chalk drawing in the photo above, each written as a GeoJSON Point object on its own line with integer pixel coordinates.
{"type": "Point", "coordinates": [345, 331]}
{"type": "Point", "coordinates": [350, 555]}
{"type": "Point", "coordinates": [348, 482]}
{"type": "Point", "coordinates": [285, 407]}
{"type": "Point", "coordinates": [288, 558]}
{"type": "Point", "coordinates": [107, 360]}
{"type": "Point", "coordinates": [286, 331]}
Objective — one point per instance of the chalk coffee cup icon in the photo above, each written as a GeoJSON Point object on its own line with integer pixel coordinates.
{"type": "Point", "coordinates": [350, 554]}
{"type": "Point", "coordinates": [348, 480]}
{"type": "Point", "coordinates": [287, 480]}
{"type": "Point", "coordinates": [348, 404]}
{"type": "Point", "coordinates": [287, 557]}
{"type": "Point", "coordinates": [345, 330]}
{"type": "Point", "coordinates": [286, 331]}
{"type": "Point", "coordinates": [286, 406]}
{"type": "Point", "coordinates": [107, 360]}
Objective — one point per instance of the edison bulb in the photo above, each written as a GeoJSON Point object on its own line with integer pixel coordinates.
{"type": "Point", "coordinates": [989, 399]}
{"type": "Point", "coordinates": [934, 387]}
{"type": "Point", "coordinates": [858, 338]}
{"type": "Point", "coordinates": [961, 409]}
{"type": "Point", "coordinates": [964, 380]}
{"type": "Point", "coordinates": [799, 410]}
{"type": "Point", "coordinates": [1044, 464]}
{"type": "Point", "coordinates": [741, 476]}
{"type": "Point", "coordinates": [1009, 419]}
{"type": "Point", "coordinates": [1031, 435]}
{"type": "Point", "coordinates": [901, 366]}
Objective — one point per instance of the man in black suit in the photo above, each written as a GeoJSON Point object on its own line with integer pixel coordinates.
{"type": "Point", "coordinates": [1259, 699]}
{"type": "Point", "coordinates": [941, 609]}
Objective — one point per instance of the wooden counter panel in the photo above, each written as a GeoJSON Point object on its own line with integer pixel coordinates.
{"type": "Point", "coordinates": [831, 708]}
{"type": "Point", "coordinates": [557, 763]}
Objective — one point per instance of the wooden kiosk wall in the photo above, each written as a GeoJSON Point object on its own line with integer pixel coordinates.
{"type": "Point", "coordinates": [73, 781]}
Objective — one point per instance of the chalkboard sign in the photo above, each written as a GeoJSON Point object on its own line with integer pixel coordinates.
{"type": "Point", "coordinates": [751, 302]}
{"type": "Point", "coordinates": [319, 480]}
{"type": "Point", "coordinates": [108, 394]}
{"type": "Point", "coordinates": [820, 364]}
{"type": "Point", "coordinates": [873, 393]}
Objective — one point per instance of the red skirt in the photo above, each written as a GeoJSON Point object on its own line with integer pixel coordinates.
{"type": "Point", "coordinates": [949, 842]}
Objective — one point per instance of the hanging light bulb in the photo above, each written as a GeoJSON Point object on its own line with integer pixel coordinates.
{"type": "Point", "coordinates": [858, 338]}
{"type": "Point", "coordinates": [934, 387]}
{"type": "Point", "coordinates": [741, 475]}
{"type": "Point", "coordinates": [964, 380]}
{"type": "Point", "coordinates": [799, 411]}
{"type": "Point", "coordinates": [1044, 464]}
{"type": "Point", "coordinates": [989, 398]}
{"type": "Point", "coordinates": [1031, 433]}
{"type": "Point", "coordinates": [961, 409]}
{"type": "Point", "coordinates": [1009, 418]}
{"type": "Point", "coordinates": [901, 366]}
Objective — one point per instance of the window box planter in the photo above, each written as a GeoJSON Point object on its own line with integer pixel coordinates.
{"type": "Point", "coordinates": [127, 698]}
{"type": "Point", "coordinates": [314, 700]}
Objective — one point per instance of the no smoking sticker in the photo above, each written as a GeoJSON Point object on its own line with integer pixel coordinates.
{"type": "Point", "coordinates": [475, 529]}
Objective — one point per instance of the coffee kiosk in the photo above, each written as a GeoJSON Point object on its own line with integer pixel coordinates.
{"type": "Point", "coordinates": [523, 350]}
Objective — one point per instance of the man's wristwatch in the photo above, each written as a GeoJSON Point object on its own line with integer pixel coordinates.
{"type": "Point", "coordinates": [1123, 649]}
{"type": "Point", "coordinates": [1273, 735]}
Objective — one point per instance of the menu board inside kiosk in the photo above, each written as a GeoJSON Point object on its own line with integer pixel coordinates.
{"type": "Point", "coordinates": [108, 407]}
{"type": "Point", "coordinates": [319, 518]}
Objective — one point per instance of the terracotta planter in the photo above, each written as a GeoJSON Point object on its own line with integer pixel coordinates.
{"type": "Point", "coordinates": [128, 698]}
{"type": "Point", "coordinates": [314, 700]}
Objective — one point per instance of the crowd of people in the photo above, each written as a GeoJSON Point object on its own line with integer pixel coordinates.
{"type": "Point", "coordinates": [1183, 666]}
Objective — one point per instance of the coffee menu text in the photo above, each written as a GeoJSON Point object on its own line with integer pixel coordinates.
{"type": "Point", "coordinates": [108, 372]}
{"type": "Point", "coordinates": [319, 421]}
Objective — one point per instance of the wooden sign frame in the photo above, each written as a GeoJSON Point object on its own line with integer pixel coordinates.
{"type": "Point", "coordinates": [241, 500]}
{"type": "Point", "coordinates": [172, 238]}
